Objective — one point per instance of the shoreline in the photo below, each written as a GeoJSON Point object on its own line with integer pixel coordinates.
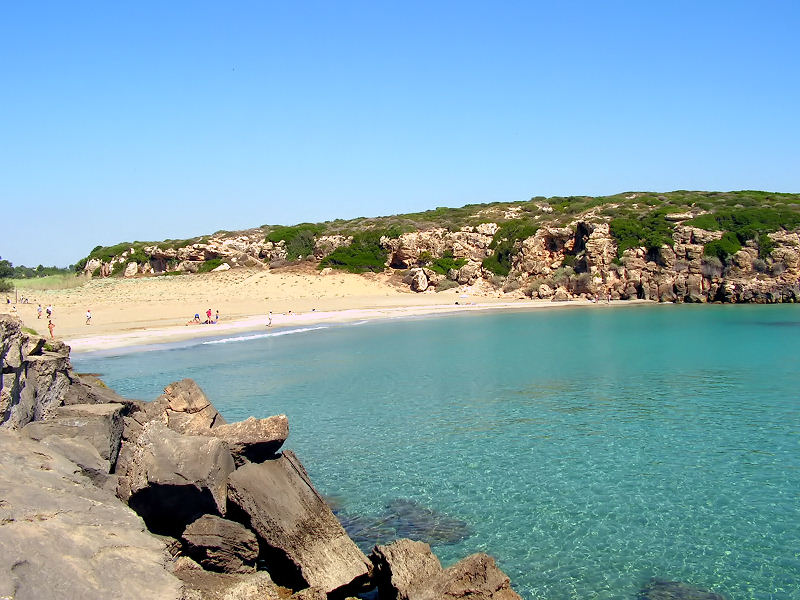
{"type": "Point", "coordinates": [143, 312]}
{"type": "Point", "coordinates": [161, 336]}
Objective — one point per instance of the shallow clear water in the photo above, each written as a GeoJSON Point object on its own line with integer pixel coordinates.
{"type": "Point", "coordinates": [587, 450]}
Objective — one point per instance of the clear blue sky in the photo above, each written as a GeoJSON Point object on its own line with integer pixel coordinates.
{"type": "Point", "coordinates": [147, 120]}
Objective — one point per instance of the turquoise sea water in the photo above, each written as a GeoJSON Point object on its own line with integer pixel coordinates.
{"type": "Point", "coordinates": [587, 450]}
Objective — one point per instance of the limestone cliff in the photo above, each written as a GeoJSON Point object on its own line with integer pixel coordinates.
{"type": "Point", "coordinates": [560, 248]}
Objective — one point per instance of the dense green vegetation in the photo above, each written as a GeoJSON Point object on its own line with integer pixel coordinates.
{"type": "Point", "coordinates": [442, 265]}
{"type": "Point", "coordinates": [652, 231]}
{"type": "Point", "coordinates": [299, 239]}
{"type": "Point", "coordinates": [636, 219]}
{"type": "Point", "coordinates": [9, 271]}
{"type": "Point", "coordinates": [365, 253]}
{"type": "Point", "coordinates": [505, 245]}
{"type": "Point", "coordinates": [209, 265]}
{"type": "Point", "coordinates": [742, 225]}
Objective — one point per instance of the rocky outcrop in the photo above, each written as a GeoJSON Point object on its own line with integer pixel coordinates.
{"type": "Point", "coordinates": [277, 500]}
{"type": "Point", "coordinates": [402, 566]}
{"type": "Point", "coordinates": [407, 570]}
{"type": "Point", "coordinates": [37, 377]}
{"type": "Point", "coordinates": [173, 479]}
{"type": "Point", "coordinates": [64, 532]}
{"type": "Point", "coordinates": [60, 536]}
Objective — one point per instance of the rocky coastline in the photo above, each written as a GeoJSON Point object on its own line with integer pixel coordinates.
{"type": "Point", "coordinates": [559, 263]}
{"type": "Point", "coordinates": [101, 496]}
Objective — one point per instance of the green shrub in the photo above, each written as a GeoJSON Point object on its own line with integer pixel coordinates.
{"type": "Point", "coordinates": [443, 264]}
{"type": "Point", "coordinates": [727, 245]}
{"type": "Point", "coordinates": [209, 265]}
{"type": "Point", "coordinates": [299, 239]}
{"type": "Point", "coordinates": [96, 272]}
{"type": "Point", "coordinates": [119, 267]}
{"type": "Point", "coordinates": [651, 231]}
{"type": "Point", "coordinates": [765, 246]}
{"type": "Point", "coordinates": [504, 244]}
{"type": "Point", "coordinates": [6, 286]}
{"type": "Point", "coordinates": [139, 257]}
{"type": "Point", "coordinates": [364, 254]}
{"type": "Point", "coordinates": [707, 222]}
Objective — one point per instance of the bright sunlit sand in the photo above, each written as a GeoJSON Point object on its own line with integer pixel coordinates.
{"type": "Point", "coordinates": [132, 312]}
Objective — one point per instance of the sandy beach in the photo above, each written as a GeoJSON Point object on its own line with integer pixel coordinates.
{"type": "Point", "coordinates": [153, 310]}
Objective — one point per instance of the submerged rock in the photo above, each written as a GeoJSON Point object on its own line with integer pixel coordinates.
{"type": "Point", "coordinates": [404, 518]}
{"type": "Point", "coordinates": [675, 590]}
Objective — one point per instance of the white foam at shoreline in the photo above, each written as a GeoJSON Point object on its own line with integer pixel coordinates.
{"type": "Point", "coordinates": [244, 338]}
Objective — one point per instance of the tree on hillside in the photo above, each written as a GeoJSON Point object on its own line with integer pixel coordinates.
{"type": "Point", "coordinates": [6, 270]}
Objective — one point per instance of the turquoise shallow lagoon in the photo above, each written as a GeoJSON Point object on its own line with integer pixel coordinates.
{"type": "Point", "coordinates": [587, 450]}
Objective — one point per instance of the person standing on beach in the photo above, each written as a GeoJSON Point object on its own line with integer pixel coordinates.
{"type": "Point", "coordinates": [88, 316]}
{"type": "Point", "coordinates": [269, 319]}
{"type": "Point", "coordinates": [49, 310]}
{"type": "Point", "coordinates": [216, 317]}
{"type": "Point", "coordinates": [50, 326]}
{"type": "Point", "coordinates": [39, 312]}
{"type": "Point", "coordinates": [208, 316]}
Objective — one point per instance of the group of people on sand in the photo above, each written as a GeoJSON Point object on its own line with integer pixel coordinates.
{"type": "Point", "coordinates": [209, 320]}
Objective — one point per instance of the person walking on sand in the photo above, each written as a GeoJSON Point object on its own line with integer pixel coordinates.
{"type": "Point", "coordinates": [39, 312]}
{"type": "Point", "coordinates": [88, 316]}
{"type": "Point", "coordinates": [50, 326]}
{"type": "Point", "coordinates": [49, 310]}
{"type": "Point", "coordinates": [269, 319]}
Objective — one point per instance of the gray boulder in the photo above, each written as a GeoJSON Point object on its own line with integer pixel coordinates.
{"type": "Point", "coordinates": [476, 577]}
{"type": "Point", "coordinates": [61, 537]}
{"type": "Point", "coordinates": [221, 545]}
{"type": "Point", "coordinates": [99, 424]}
{"type": "Point", "coordinates": [402, 566]}
{"type": "Point", "coordinates": [172, 479]}
{"type": "Point", "coordinates": [185, 408]}
{"type": "Point", "coordinates": [253, 440]}
{"type": "Point", "coordinates": [82, 453]}
{"type": "Point", "coordinates": [408, 570]}
{"type": "Point", "coordinates": [302, 541]}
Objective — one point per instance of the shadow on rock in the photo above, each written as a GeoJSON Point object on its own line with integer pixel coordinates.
{"type": "Point", "coordinates": [403, 518]}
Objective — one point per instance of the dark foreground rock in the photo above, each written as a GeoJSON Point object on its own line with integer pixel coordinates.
{"type": "Point", "coordinates": [221, 545]}
{"type": "Point", "coordinates": [407, 570]}
{"type": "Point", "coordinates": [277, 500]}
{"type": "Point", "coordinates": [174, 479]}
{"type": "Point", "coordinates": [675, 590]}
{"type": "Point", "coordinates": [60, 536]}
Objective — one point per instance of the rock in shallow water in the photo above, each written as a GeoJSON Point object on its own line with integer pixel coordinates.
{"type": "Point", "coordinates": [675, 590]}
{"type": "Point", "coordinates": [403, 518]}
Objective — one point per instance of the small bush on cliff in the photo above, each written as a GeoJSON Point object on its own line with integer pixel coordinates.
{"type": "Point", "coordinates": [209, 265]}
{"type": "Point", "coordinates": [650, 231]}
{"type": "Point", "coordinates": [443, 264]}
{"type": "Point", "coordinates": [364, 254]}
{"type": "Point", "coordinates": [299, 239]}
{"type": "Point", "coordinates": [722, 248]}
{"type": "Point", "coordinates": [504, 244]}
